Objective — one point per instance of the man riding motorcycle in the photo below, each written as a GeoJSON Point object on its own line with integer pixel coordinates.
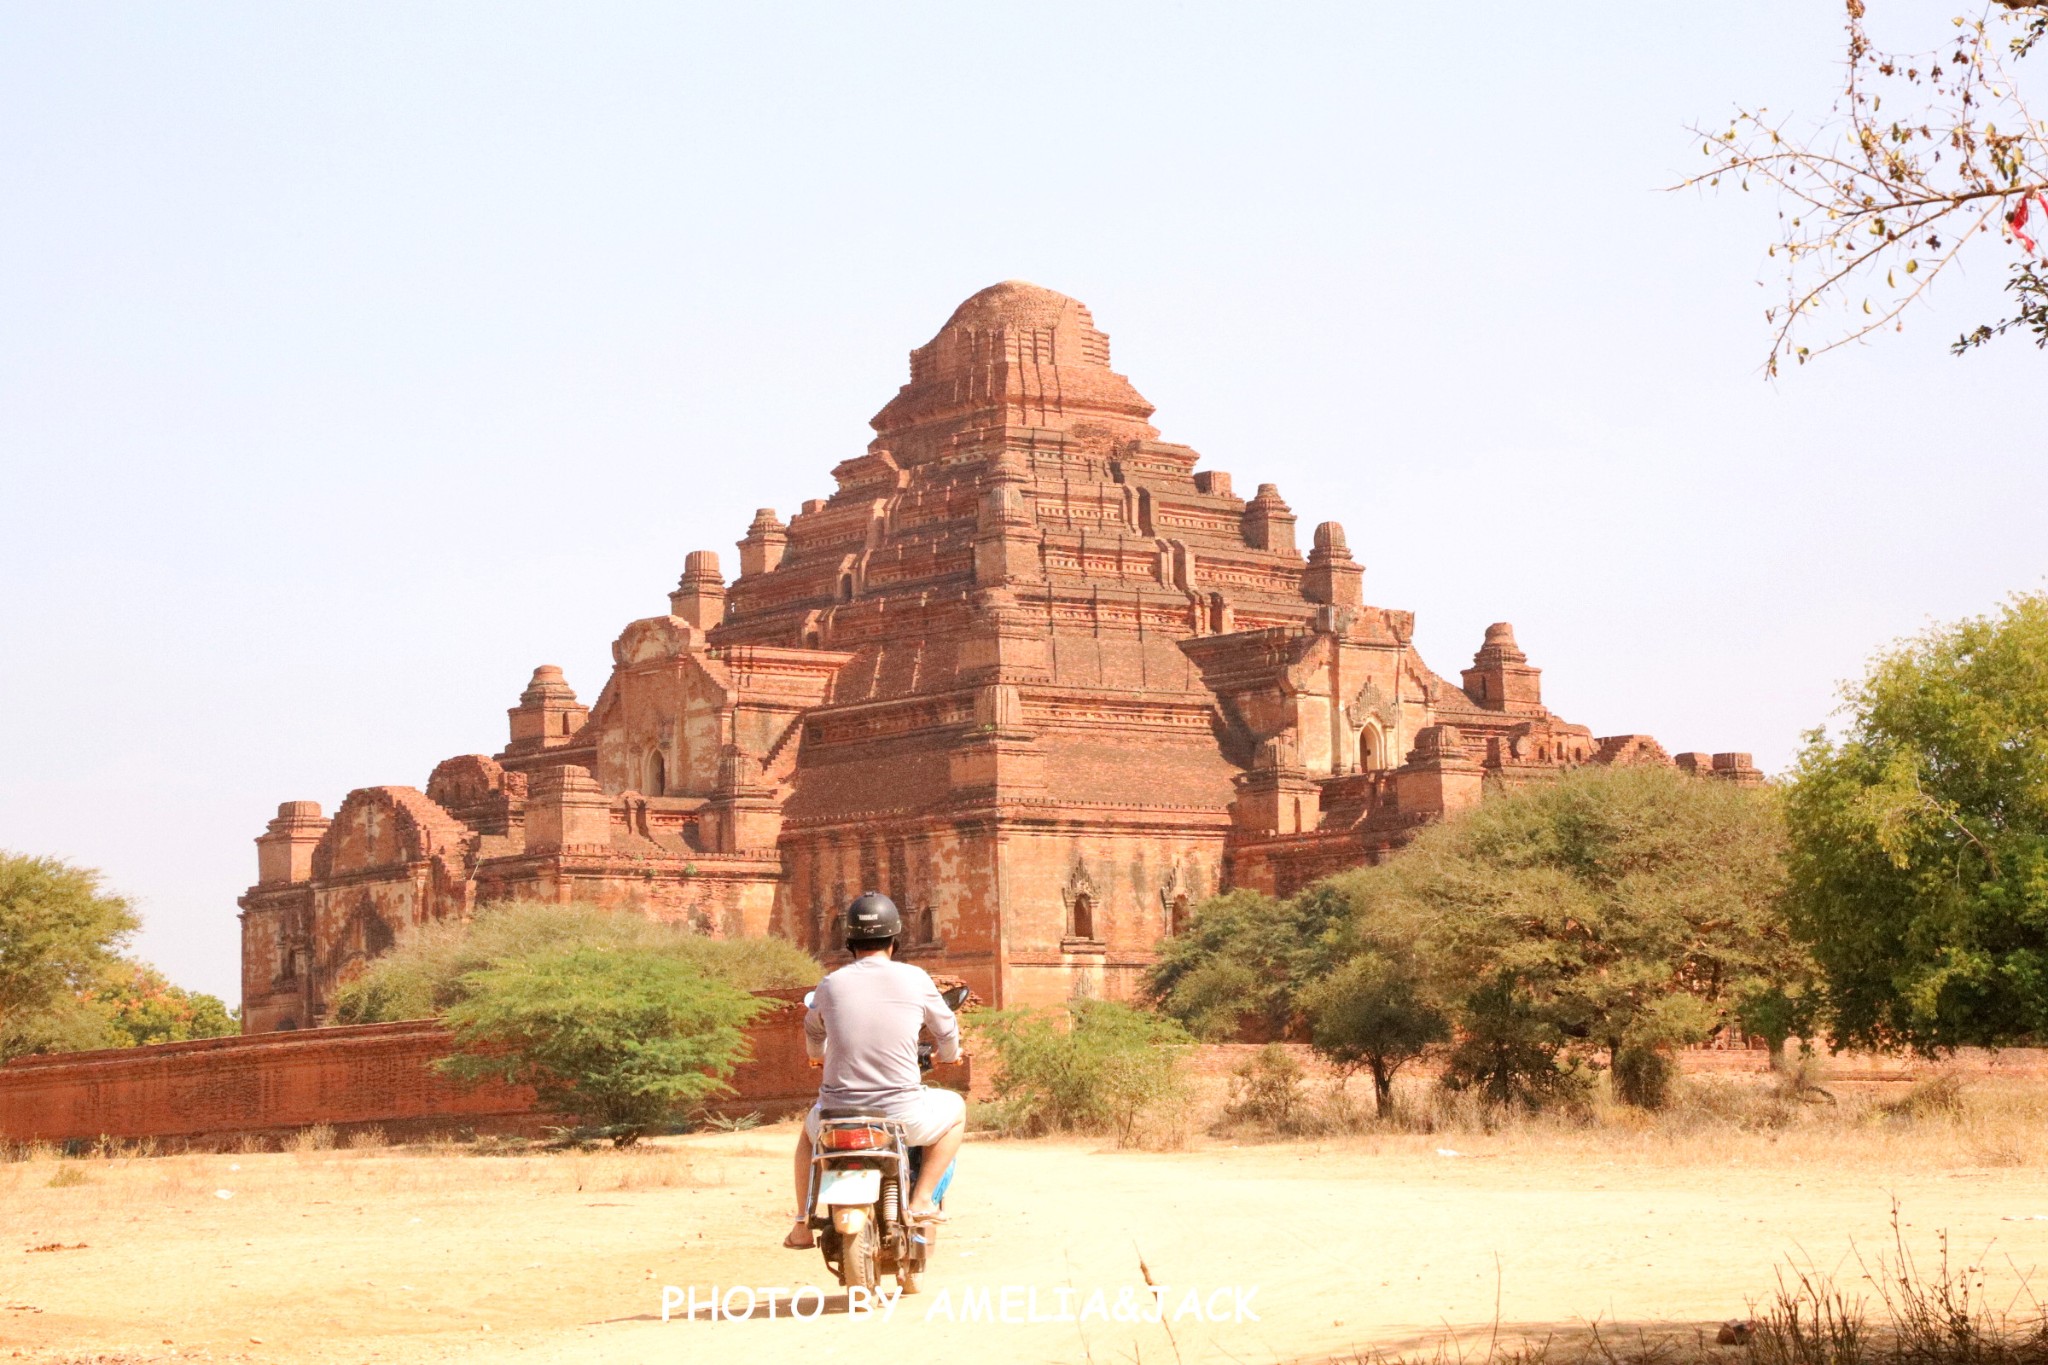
{"type": "Point", "coordinates": [863, 1022]}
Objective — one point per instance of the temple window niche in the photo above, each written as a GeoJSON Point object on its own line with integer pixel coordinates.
{"type": "Point", "coordinates": [1372, 749]}
{"type": "Point", "coordinates": [655, 777]}
{"type": "Point", "coordinates": [1078, 898]}
{"type": "Point", "coordinates": [1081, 916]}
{"type": "Point", "coordinates": [1177, 916]}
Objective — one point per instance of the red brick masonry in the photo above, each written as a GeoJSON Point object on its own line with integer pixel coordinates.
{"type": "Point", "coordinates": [352, 1077]}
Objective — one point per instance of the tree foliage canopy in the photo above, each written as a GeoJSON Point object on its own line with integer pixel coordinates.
{"type": "Point", "coordinates": [59, 931]}
{"type": "Point", "coordinates": [140, 1006]}
{"type": "Point", "coordinates": [425, 975]}
{"type": "Point", "coordinates": [1239, 961]}
{"type": "Point", "coordinates": [1919, 842]}
{"type": "Point", "coordinates": [1379, 1008]}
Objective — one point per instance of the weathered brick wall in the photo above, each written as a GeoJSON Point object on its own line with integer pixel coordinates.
{"type": "Point", "coordinates": [222, 1087]}
{"type": "Point", "coordinates": [355, 1076]}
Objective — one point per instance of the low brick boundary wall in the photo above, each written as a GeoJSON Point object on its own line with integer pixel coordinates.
{"type": "Point", "coordinates": [351, 1076]}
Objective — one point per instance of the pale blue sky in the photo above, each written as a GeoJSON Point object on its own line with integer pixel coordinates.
{"type": "Point", "coordinates": [355, 360]}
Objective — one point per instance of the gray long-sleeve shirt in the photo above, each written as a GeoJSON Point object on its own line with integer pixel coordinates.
{"type": "Point", "coordinates": [863, 1021]}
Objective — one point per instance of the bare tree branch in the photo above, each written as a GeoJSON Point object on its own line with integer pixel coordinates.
{"type": "Point", "coordinates": [1877, 204]}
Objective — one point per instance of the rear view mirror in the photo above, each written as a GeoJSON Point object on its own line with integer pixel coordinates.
{"type": "Point", "coordinates": [956, 997]}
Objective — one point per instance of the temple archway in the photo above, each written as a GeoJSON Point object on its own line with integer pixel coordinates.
{"type": "Point", "coordinates": [1372, 749]}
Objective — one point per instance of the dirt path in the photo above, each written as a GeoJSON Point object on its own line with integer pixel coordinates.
{"type": "Point", "coordinates": [350, 1256]}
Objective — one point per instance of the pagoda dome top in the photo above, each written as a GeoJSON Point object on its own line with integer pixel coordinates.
{"type": "Point", "coordinates": [1013, 354]}
{"type": "Point", "coordinates": [1019, 303]}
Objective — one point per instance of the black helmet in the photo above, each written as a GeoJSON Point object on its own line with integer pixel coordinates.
{"type": "Point", "coordinates": [872, 918]}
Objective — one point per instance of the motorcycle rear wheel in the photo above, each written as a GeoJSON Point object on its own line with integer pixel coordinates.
{"type": "Point", "coordinates": [858, 1254]}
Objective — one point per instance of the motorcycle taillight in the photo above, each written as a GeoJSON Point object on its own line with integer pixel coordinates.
{"type": "Point", "coordinates": [852, 1139]}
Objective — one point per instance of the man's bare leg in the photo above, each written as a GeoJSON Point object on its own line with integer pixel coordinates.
{"type": "Point", "coordinates": [800, 1238]}
{"type": "Point", "coordinates": [937, 1157]}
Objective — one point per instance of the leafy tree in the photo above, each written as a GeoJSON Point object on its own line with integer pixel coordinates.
{"type": "Point", "coordinates": [1625, 911]}
{"type": "Point", "coordinates": [624, 1038]}
{"type": "Point", "coordinates": [1645, 909]}
{"type": "Point", "coordinates": [1376, 997]}
{"type": "Point", "coordinates": [424, 975]}
{"type": "Point", "coordinates": [1919, 842]}
{"type": "Point", "coordinates": [1511, 1049]}
{"type": "Point", "coordinates": [141, 1006]}
{"type": "Point", "coordinates": [1923, 155]}
{"type": "Point", "coordinates": [58, 932]}
{"type": "Point", "coordinates": [1376, 1012]}
{"type": "Point", "coordinates": [1239, 960]}
{"type": "Point", "coordinates": [1787, 1006]}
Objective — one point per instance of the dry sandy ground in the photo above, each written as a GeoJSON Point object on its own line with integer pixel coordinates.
{"type": "Point", "coordinates": [403, 1256]}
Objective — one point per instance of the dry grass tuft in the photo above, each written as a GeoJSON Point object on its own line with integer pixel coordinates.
{"type": "Point", "coordinates": [1941, 1121]}
{"type": "Point", "coordinates": [2004, 1150]}
{"type": "Point", "coordinates": [647, 1168]}
{"type": "Point", "coordinates": [67, 1175]}
{"type": "Point", "coordinates": [1719, 1103]}
{"type": "Point", "coordinates": [317, 1138]}
{"type": "Point", "coordinates": [1937, 1317]}
{"type": "Point", "coordinates": [1936, 1097]}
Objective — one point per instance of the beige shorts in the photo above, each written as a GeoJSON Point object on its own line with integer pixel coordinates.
{"type": "Point", "coordinates": [927, 1115]}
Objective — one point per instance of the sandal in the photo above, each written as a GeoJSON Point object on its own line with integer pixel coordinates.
{"type": "Point", "coordinates": [808, 1243]}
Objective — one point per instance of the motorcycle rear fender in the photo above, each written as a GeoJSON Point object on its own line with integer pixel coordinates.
{"type": "Point", "coordinates": [840, 1186]}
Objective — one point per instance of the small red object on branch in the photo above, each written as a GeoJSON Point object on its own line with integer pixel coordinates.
{"type": "Point", "coordinates": [2017, 219]}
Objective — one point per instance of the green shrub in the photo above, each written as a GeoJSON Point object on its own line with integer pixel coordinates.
{"type": "Point", "coordinates": [1643, 1077]}
{"type": "Point", "coordinates": [1918, 862]}
{"type": "Point", "coordinates": [1604, 919]}
{"type": "Point", "coordinates": [1101, 1069]}
{"type": "Point", "coordinates": [423, 976]}
{"type": "Point", "coordinates": [1266, 1088]}
{"type": "Point", "coordinates": [624, 1038]}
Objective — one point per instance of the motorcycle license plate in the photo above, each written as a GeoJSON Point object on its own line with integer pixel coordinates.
{"type": "Point", "coordinates": [849, 1187]}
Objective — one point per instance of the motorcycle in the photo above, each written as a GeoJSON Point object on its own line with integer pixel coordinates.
{"type": "Point", "coordinates": [862, 1173]}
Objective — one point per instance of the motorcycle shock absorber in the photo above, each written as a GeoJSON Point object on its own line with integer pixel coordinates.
{"type": "Point", "coordinates": [892, 1202]}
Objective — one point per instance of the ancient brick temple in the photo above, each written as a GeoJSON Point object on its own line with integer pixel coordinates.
{"type": "Point", "coordinates": [1026, 669]}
